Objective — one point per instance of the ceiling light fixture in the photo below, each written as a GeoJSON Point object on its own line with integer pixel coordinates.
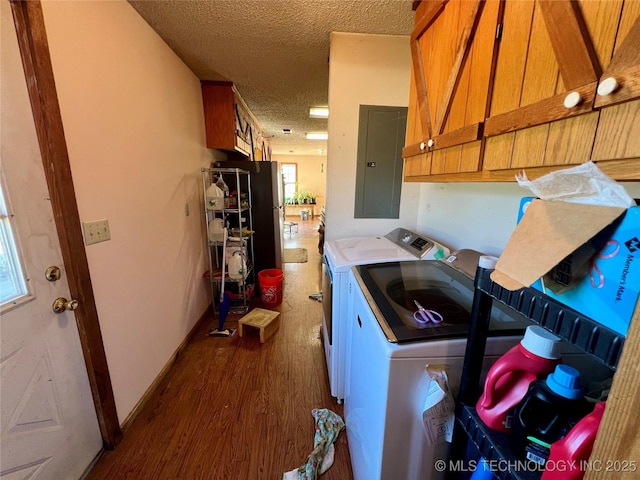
{"type": "Point", "coordinates": [319, 112]}
{"type": "Point", "coordinates": [317, 136]}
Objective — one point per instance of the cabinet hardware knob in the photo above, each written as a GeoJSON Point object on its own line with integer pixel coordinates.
{"type": "Point", "coordinates": [431, 142]}
{"type": "Point", "coordinates": [422, 146]}
{"type": "Point", "coordinates": [607, 86]}
{"type": "Point", "coordinates": [572, 100]}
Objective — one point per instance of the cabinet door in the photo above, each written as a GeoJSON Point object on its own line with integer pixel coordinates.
{"type": "Point", "coordinates": [452, 48]}
{"type": "Point", "coordinates": [244, 129]}
{"type": "Point", "coordinates": [624, 68]}
{"type": "Point", "coordinates": [219, 115]}
{"type": "Point", "coordinates": [228, 122]}
{"type": "Point", "coordinates": [262, 150]}
{"type": "Point", "coordinates": [618, 134]}
{"type": "Point", "coordinates": [549, 50]}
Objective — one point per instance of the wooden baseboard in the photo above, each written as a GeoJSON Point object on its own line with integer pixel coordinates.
{"type": "Point", "coordinates": [163, 373]}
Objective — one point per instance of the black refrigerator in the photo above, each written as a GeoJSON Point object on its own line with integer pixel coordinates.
{"type": "Point", "coordinates": [266, 209]}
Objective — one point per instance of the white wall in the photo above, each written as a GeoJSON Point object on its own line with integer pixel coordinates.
{"type": "Point", "coordinates": [363, 70]}
{"type": "Point", "coordinates": [133, 120]}
{"type": "Point", "coordinates": [480, 216]}
{"type": "Point", "coordinates": [312, 174]}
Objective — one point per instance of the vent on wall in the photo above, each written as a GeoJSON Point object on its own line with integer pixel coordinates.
{"type": "Point", "coordinates": [286, 131]}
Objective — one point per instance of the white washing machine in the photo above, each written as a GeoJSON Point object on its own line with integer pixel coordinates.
{"type": "Point", "coordinates": [339, 256]}
{"type": "Point", "coordinates": [387, 384]}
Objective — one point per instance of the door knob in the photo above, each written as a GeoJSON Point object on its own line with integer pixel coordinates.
{"type": "Point", "coordinates": [61, 304]}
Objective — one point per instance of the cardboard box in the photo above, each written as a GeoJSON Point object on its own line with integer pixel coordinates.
{"type": "Point", "coordinates": [548, 232]}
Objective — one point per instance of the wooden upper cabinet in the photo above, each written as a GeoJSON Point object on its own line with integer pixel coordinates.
{"type": "Point", "coordinates": [452, 48]}
{"type": "Point", "coordinates": [551, 57]}
{"type": "Point", "coordinates": [547, 67]}
{"type": "Point", "coordinates": [618, 133]}
{"type": "Point", "coordinates": [620, 81]}
{"type": "Point", "coordinates": [228, 123]}
{"type": "Point", "coordinates": [262, 150]}
{"type": "Point", "coordinates": [523, 95]}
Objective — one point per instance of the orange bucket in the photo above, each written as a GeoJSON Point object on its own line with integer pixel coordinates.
{"type": "Point", "coordinates": [270, 282]}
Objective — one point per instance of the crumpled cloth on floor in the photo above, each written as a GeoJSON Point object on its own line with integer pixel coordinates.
{"type": "Point", "coordinates": [328, 427]}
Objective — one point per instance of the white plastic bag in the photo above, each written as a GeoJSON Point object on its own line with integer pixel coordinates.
{"type": "Point", "coordinates": [584, 183]}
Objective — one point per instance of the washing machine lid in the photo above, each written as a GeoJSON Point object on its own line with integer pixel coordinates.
{"type": "Point", "coordinates": [393, 287]}
{"type": "Point", "coordinates": [398, 245]}
{"type": "Point", "coordinates": [346, 252]}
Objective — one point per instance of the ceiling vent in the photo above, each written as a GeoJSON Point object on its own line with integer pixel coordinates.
{"type": "Point", "coordinates": [286, 131]}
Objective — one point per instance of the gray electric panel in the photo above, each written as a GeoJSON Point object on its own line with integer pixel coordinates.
{"type": "Point", "coordinates": [381, 135]}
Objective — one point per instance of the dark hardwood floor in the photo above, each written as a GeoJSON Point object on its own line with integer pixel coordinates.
{"type": "Point", "coordinates": [232, 408]}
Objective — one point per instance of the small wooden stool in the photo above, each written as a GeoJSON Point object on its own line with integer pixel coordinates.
{"type": "Point", "coordinates": [267, 321]}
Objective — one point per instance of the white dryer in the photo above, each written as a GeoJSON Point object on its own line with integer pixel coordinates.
{"type": "Point", "coordinates": [339, 256]}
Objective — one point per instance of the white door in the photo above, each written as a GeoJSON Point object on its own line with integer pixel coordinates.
{"type": "Point", "coordinates": [49, 427]}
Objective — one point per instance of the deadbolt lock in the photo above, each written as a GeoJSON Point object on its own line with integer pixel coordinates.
{"type": "Point", "coordinates": [61, 305]}
{"type": "Point", "coordinates": [53, 273]}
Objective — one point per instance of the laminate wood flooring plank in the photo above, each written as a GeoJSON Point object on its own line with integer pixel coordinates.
{"type": "Point", "coordinates": [232, 408]}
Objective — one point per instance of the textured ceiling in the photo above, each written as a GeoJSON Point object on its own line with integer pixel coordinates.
{"type": "Point", "coordinates": [276, 52]}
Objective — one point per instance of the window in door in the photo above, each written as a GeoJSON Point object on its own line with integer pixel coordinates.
{"type": "Point", "coordinates": [12, 282]}
{"type": "Point", "coordinates": [290, 177]}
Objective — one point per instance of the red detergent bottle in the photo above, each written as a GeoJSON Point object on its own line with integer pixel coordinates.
{"type": "Point", "coordinates": [572, 452]}
{"type": "Point", "coordinates": [509, 378]}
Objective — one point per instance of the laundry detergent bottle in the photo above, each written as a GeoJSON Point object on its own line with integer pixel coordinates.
{"type": "Point", "coordinates": [509, 378]}
{"type": "Point", "coordinates": [574, 449]}
{"type": "Point", "coordinates": [547, 413]}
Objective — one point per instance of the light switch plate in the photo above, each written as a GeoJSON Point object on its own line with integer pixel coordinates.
{"type": "Point", "coordinates": [96, 231]}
